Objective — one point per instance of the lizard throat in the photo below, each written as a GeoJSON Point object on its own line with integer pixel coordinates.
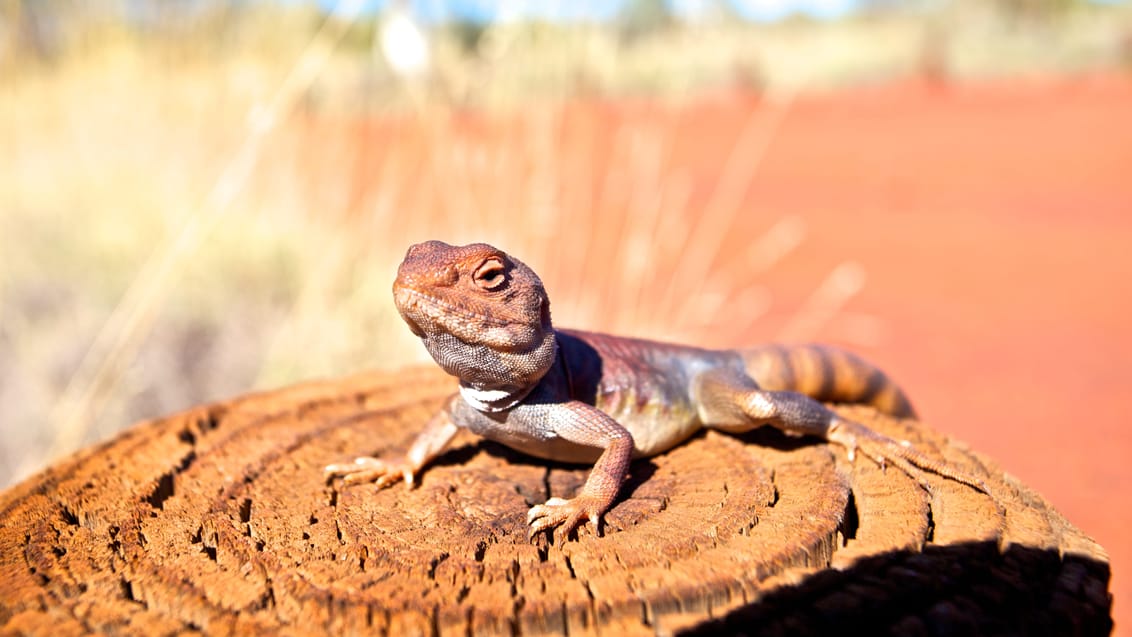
{"type": "Point", "coordinates": [495, 380]}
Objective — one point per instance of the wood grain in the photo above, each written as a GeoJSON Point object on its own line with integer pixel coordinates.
{"type": "Point", "coordinates": [219, 520]}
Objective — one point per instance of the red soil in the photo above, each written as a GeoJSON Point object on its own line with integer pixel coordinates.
{"type": "Point", "coordinates": [995, 227]}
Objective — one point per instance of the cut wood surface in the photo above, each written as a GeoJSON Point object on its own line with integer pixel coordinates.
{"type": "Point", "coordinates": [220, 520]}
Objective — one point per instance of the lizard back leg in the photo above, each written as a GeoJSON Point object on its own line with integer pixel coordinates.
{"type": "Point", "coordinates": [827, 374]}
{"type": "Point", "coordinates": [733, 402]}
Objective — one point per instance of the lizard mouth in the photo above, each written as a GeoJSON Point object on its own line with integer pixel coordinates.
{"type": "Point", "coordinates": [406, 301]}
{"type": "Point", "coordinates": [413, 327]}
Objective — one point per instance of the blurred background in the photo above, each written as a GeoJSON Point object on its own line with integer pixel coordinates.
{"type": "Point", "coordinates": [203, 198]}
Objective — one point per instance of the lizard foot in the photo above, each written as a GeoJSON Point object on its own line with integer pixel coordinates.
{"type": "Point", "coordinates": [367, 469]}
{"type": "Point", "coordinates": [902, 453]}
{"type": "Point", "coordinates": [565, 514]}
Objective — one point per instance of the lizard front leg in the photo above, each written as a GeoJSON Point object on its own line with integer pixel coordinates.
{"type": "Point", "coordinates": [427, 445]}
{"type": "Point", "coordinates": [732, 402]}
{"type": "Point", "coordinates": [582, 424]}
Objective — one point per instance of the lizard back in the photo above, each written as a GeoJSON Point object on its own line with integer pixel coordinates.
{"type": "Point", "coordinates": [644, 385]}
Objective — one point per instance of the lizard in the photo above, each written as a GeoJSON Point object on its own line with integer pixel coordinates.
{"type": "Point", "coordinates": [583, 397]}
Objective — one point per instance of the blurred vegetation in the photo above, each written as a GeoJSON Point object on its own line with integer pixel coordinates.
{"type": "Point", "coordinates": [644, 50]}
{"type": "Point", "coordinates": [200, 198]}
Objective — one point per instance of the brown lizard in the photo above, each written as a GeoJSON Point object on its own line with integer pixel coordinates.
{"type": "Point", "coordinates": [582, 397]}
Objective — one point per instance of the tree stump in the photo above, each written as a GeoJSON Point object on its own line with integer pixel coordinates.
{"type": "Point", "coordinates": [219, 520]}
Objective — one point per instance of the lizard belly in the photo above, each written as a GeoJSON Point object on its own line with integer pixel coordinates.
{"type": "Point", "coordinates": [527, 429]}
{"type": "Point", "coordinates": [656, 426]}
{"type": "Point", "coordinates": [650, 437]}
{"type": "Point", "coordinates": [555, 449]}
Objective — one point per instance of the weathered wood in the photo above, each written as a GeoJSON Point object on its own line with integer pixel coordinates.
{"type": "Point", "coordinates": [219, 520]}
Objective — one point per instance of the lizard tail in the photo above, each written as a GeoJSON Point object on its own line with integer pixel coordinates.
{"type": "Point", "coordinates": [826, 374]}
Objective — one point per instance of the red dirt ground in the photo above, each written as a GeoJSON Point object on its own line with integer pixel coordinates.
{"type": "Point", "coordinates": [994, 223]}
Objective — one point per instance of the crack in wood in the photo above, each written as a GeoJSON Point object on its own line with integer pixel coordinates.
{"type": "Point", "coordinates": [850, 520]}
{"type": "Point", "coordinates": [929, 534]}
{"type": "Point", "coordinates": [245, 512]}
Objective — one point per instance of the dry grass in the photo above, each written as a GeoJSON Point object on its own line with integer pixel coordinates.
{"type": "Point", "coordinates": [178, 226]}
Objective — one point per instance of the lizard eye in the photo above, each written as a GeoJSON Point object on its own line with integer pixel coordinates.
{"type": "Point", "coordinates": [492, 274]}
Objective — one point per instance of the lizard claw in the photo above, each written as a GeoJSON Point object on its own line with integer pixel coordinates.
{"type": "Point", "coordinates": [565, 514]}
{"type": "Point", "coordinates": [840, 433]}
{"type": "Point", "coordinates": [366, 469]}
{"type": "Point", "coordinates": [854, 437]}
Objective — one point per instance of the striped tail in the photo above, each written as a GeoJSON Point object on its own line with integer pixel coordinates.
{"type": "Point", "coordinates": [826, 374]}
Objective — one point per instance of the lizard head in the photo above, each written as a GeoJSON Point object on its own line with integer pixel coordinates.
{"type": "Point", "coordinates": [482, 314]}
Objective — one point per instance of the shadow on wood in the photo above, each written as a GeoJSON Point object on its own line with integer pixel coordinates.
{"type": "Point", "coordinates": [971, 588]}
{"type": "Point", "coordinates": [219, 519]}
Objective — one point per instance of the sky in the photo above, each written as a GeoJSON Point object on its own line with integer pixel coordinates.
{"type": "Point", "coordinates": [600, 10]}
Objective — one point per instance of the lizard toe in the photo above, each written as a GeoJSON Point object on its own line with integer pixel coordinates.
{"type": "Point", "coordinates": [360, 477]}
{"type": "Point", "coordinates": [362, 463]}
{"type": "Point", "coordinates": [546, 516]}
{"type": "Point", "coordinates": [545, 509]}
{"type": "Point", "coordinates": [562, 533]}
{"type": "Point", "coordinates": [564, 516]}
{"type": "Point", "coordinates": [367, 469]}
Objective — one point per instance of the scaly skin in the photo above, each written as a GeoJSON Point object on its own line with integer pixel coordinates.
{"type": "Point", "coordinates": [593, 398]}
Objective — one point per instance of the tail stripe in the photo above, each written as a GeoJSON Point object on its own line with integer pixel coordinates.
{"type": "Point", "coordinates": [779, 360]}
{"type": "Point", "coordinates": [827, 371]}
{"type": "Point", "coordinates": [826, 374]}
{"type": "Point", "coordinates": [875, 383]}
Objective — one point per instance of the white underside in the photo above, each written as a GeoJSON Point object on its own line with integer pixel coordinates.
{"type": "Point", "coordinates": [490, 400]}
